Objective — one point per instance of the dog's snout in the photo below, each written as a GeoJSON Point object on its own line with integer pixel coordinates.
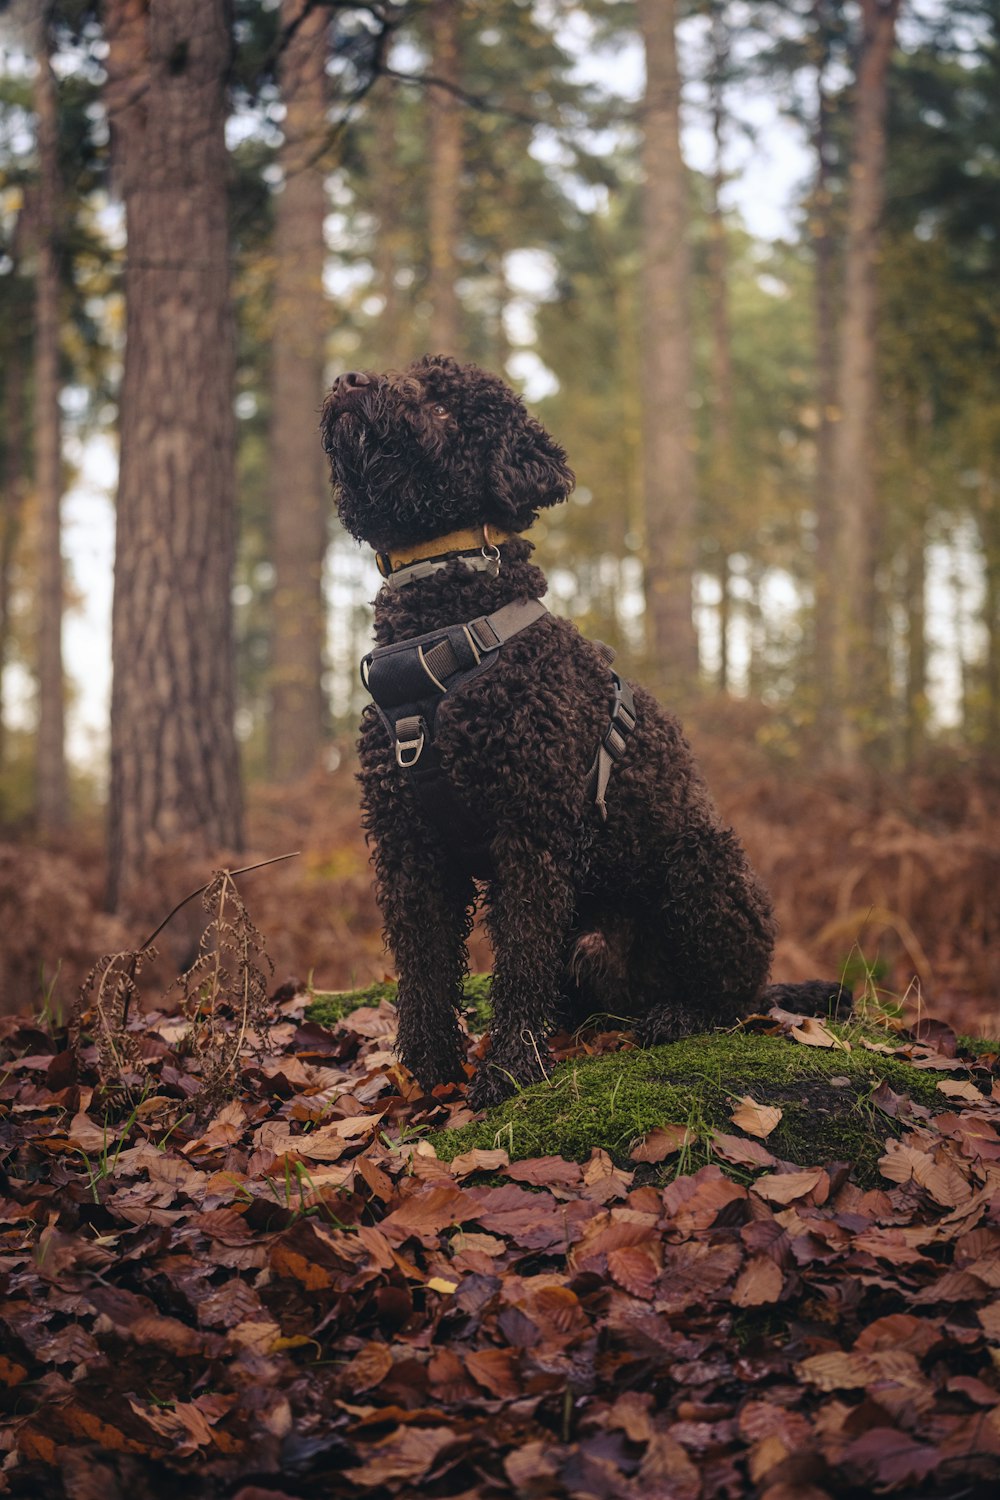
{"type": "Point", "coordinates": [350, 379]}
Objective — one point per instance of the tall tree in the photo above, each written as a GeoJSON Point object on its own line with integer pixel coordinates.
{"type": "Point", "coordinates": [297, 480]}
{"type": "Point", "coordinates": [668, 436]}
{"type": "Point", "coordinates": [51, 789]}
{"type": "Point", "coordinates": [821, 235]}
{"type": "Point", "coordinates": [721, 468]}
{"type": "Point", "coordinates": [856, 678]}
{"type": "Point", "coordinates": [174, 766]}
{"type": "Point", "coordinates": [445, 181]}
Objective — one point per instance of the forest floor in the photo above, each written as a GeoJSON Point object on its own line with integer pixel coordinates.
{"type": "Point", "coordinates": [245, 1255]}
{"type": "Point", "coordinates": [303, 1277]}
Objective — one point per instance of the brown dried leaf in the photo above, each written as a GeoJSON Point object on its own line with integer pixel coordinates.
{"type": "Point", "coordinates": [759, 1283]}
{"type": "Point", "coordinates": [478, 1161]}
{"type": "Point", "coordinates": [756, 1119]}
{"type": "Point", "coordinates": [786, 1187]}
{"type": "Point", "coordinates": [496, 1370]}
{"type": "Point", "coordinates": [733, 1148]}
{"type": "Point", "coordinates": [636, 1269]}
{"type": "Point", "coordinates": [368, 1368]}
{"type": "Point", "coordinates": [661, 1142]}
{"type": "Point", "coordinates": [813, 1033]}
{"type": "Point", "coordinates": [405, 1454]}
{"type": "Point", "coordinates": [960, 1089]}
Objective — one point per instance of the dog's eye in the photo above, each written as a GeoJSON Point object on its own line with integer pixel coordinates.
{"type": "Point", "coordinates": [439, 410]}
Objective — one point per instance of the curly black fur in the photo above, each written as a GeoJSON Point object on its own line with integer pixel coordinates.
{"type": "Point", "coordinates": [655, 913]}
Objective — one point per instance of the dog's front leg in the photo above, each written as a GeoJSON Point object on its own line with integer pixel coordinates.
{"type": "Point", "coordinates": [427, 909]}
{"type": "Point", "coordinates": [529, 910]}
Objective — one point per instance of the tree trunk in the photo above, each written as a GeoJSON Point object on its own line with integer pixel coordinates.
{"type": "Point", "coordinates": [298, 486]}
{"type": "Point", "coordinates": [668, 438]}
{"type": "Point", "coordinates": [445, 179]}
{"type": "Point", "coordinates": [175, 775]}
{"type": "Point", "coordinates": [51, 790]}
{"type": "Point", "coordinates": [391, 340]}
{"type": "Point", "coordinates": [915, 564]}
{"type": "Point", "coordinates": [990, 529]}
{"type": "Point", "coordinates": [722, 468]}
{"type": "Point", "coordinates": [11, 501]}
{"type": "Point", "coordinates": [821, 226]}
{"type": "Point", "coordinates": [856, 679]}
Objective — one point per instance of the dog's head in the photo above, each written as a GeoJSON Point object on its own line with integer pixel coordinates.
{"type": "Point", "coordinates": [434, 449]}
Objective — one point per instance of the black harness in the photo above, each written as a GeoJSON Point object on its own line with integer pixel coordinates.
{"type": "Point", "coordinates": [408, 681]}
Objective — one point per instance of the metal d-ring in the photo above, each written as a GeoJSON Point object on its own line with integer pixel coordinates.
{"type": "Point", "coordinates": [491, 552]}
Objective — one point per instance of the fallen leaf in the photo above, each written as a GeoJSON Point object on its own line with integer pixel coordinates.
{"type": "Point", "coordinates": [786, 1187]}
{"type": "Point", "coordinates": [811, 1032]}
{"type": "Point", "coordinates": [756, 1119]}
{"type": "Point", "coordinates": [759, 1283]}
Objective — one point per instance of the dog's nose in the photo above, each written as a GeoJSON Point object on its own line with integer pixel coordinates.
{"type": "Point", "coordinates": [350, 379]}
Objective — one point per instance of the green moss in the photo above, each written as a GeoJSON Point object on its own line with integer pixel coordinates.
{"type": "Point", "coordinates": [610, 1101]}
{"type": "Point", "coordinates": [978, 1044]}
{"type": "Point", "coordinates": [330, 1006]}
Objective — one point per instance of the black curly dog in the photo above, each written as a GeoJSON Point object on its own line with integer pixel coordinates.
{"type": "Point", "coordinates": [653, 913]}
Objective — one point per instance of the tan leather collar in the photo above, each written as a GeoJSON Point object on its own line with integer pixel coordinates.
{"type": "Point", "coordinates": [456, 541]}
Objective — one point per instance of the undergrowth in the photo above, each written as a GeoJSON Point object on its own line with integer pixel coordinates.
{"type": "Point", "coordinates": [826, 1099]}
{"type": "Point", "coordinates": [827, 1096]}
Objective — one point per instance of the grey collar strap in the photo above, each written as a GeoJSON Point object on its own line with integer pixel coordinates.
{"type": "Point", "coordinates": [477, 561]}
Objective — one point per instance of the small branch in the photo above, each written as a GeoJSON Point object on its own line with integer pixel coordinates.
{"type": "Point", "coordinates": [246, 870]}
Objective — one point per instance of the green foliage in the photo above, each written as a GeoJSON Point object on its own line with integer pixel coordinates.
{"type": "Point", "coordinates": [328, 1007]}
{"type": "Point", "coordinates": [613, 1100]}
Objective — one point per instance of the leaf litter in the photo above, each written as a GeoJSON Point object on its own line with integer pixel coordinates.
{"type": "Point", "coordinates": [233, 1265]}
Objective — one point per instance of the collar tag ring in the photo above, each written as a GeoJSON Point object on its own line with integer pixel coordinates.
{"type": "Point", "coordinates": [491, 552]}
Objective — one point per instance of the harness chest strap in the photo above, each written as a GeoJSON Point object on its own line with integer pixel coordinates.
{"type": "Point", "coordinates": [409, 678]}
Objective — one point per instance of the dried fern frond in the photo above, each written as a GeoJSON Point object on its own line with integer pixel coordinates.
{"type": "Point", "coordinates": [224, 994]}
{"type": "Point", "coordinates": [102, 1007]}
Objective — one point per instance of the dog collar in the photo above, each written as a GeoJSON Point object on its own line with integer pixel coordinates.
{"type": "Point", "coordinates": [476, 547]}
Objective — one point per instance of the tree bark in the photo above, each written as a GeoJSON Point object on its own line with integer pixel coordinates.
{"type": "Point", "coordinates": [297, 479]}
{"type": "Point", "coordinates": [11, 501]}
{"type": "Point", "coordinates": [175, 775]}
{"type": "Point", "coordinates": [444, 189]}
{"type": "Point", "coordinates": [722, 468]}
{"type": "Point", "coordinates": [856, 679]}
{"type": "Point", "coordinates": [989, 521]}
{"type": "Point", "coordinates": [51, 789]}
{"type": "Point", "coordinates": [821, 227]}
{"type": "Point", "coordinates": [668, 436]}
{"type": "Point", "coordinates": [391, 334]}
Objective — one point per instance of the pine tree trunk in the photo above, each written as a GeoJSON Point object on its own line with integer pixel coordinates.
{"type": "Point", "coordinates": [668, 438]}
{"type": "Point", "coordinates": [391, 339]}
{"type": "Point", "coordinates": [297, 479]}
{"type": "Point", "coordinates": [856, 677]}
{"type": "Point", "coordinates": [175, 775]}
{"type": "Point", "coordinates": [51, 789]}
{"type": "Point", "coordinates": [990, 529]}
{"type": "Point", "coordinates": [915, 562]}
{"type": "Point", "coordinates": [722, 467]}
{"type": "Point", "coordinates": [11, 502]}
{"type": "Point", "coordinates": [444, 188]}
{"type": "Point", "coordinates": [820, 220]}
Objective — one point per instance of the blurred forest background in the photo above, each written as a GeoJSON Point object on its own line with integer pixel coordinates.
{"type": "Point", "coordinates": [788, 447]}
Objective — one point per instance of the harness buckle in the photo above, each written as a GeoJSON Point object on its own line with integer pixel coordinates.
{"type": "Point", "coordinates": [410, 739]}
{"type": "Point", "coordinates": [482, 635]}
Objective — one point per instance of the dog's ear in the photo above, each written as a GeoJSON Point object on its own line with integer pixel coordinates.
{"type": "Point", "coordinates": [528, 470]}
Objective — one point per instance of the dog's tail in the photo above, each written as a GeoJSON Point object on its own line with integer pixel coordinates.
{"type": "Point", "coordinates": [817, 997]}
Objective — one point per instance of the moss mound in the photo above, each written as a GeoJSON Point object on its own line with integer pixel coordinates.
{"type": "Point", "coordinates": [826, 1098]}
{"type": "Point", "coordinates": [330, 1006]}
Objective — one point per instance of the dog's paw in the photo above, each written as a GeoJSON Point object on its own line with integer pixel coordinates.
{"type": "Point", "coordinates": [490, 1087]}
